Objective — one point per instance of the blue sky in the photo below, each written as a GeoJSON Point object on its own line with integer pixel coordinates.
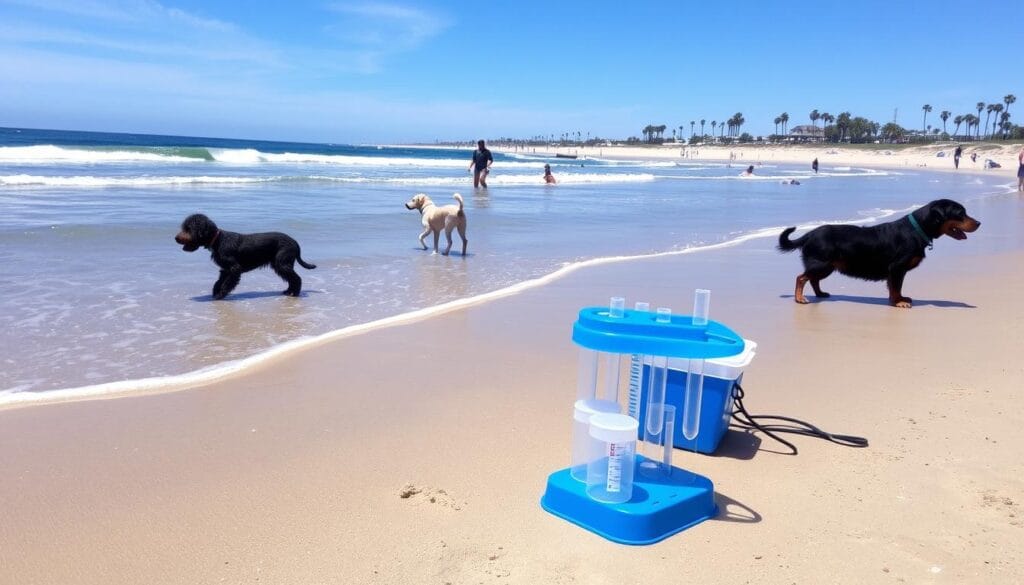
{"type": "Point", "coordinates": [380, 72]}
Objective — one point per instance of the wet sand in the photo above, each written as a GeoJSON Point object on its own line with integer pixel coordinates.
{"type": "Point", "coordinates": [294, 471]}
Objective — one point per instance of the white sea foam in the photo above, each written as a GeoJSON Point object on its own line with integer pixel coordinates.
{"type": "Point", "coordinates": [48, 154]}
{"type": "Point", "coordinates": [88, 181]}
{"type": "Point", "coordinates": [13, 398]}
{"type": "Point", "coordinates": [249, 156]}
{"type": "Point", "coordinates": [91, 181]}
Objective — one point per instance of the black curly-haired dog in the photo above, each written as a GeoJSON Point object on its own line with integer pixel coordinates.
{"type": "Point", "coordinates": [237, 253]}
{"type": "Point", "coordinates": [882, 252]}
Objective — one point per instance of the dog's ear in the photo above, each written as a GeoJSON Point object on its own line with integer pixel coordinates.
{"type": "Point", "coordinates": [934, 218]}
{"type": "Point", "coordinates": [201, 227]}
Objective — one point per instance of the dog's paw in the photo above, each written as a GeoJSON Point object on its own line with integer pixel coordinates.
{"type": "Point", "coordinates": [823, 295]}
{"type": "Point", "coordinates": [903, 304]}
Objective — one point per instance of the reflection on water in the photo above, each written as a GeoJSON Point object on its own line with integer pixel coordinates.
{"type": "Point", "coordinates": [96, 291]}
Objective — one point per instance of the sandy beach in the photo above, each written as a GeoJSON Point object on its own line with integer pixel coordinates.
{"type": "Point", "coordinates": [417, 453]}
{"type": "Point", "coordinates": [828, 155]}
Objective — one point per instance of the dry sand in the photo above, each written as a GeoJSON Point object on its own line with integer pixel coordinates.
{"type": "Point", "coordinates": [417, 453]}
{"type": "Point", "coordinates": [828, 155]}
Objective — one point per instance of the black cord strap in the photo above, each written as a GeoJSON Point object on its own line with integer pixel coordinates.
{"type": "Point", "coordinates": [745, 420]}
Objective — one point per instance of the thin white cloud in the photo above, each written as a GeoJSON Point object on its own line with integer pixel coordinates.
{"type": "Point", "coordinates": [378, 30]}
{"type": "Point", "coordinates": [215, 49]}
{"type": "Point", "coordinates": [124, 11]}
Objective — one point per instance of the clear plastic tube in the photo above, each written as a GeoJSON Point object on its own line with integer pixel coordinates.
{"type": "Point", "coordinates": [692, 398]}
{"type": "Point", "coordinates": [669, 437]}
{"type": "Point", "coordinates": [695, 370]}
{"type": "Point", "coordinates": [701, 306]}
{"type": "Point", "coordinates": [655, 418]}
{"type": "Point", "coordinates": [617, 307]}
{"type": "Point", "coordinates": [612, 366]}
{"type": "Point", "coordinates": [586, 379]}
{"type": "Point", "coordinates": [636, 374]}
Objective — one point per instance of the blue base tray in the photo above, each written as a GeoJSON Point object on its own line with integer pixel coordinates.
{"type": "Point", "coordinates": [659, 508]}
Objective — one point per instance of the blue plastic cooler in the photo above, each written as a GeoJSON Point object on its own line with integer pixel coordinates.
{"type": "Point", "coordinates": [720, 379]}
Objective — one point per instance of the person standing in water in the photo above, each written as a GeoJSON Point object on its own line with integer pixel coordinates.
{"type": "Point", "coordinates": [814, 166]}
{"type": "Point", "coordinates": [956, 156]}
{"type": "Point", "coordinates": [481, 165]}
{"type": "Point", "coordinates": [1020, 170]}
{"type": "Point", "coordinates": [548, 177]}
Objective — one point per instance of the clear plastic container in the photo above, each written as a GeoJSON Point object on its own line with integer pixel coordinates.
{"type": "Point", "coordinates": [611, 466]}
{"type": "Point", "coordinates": [581, 441]}
{"type": "Point", "coordinates": [636, 372]}
{"type": "Point", "coordinates": [599, 371]}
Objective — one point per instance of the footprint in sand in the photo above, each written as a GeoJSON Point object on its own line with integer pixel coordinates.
{"type": "Point", "coordinates": [426, 494]}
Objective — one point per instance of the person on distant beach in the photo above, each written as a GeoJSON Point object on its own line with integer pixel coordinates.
{"type": "Point", "coordinates": [974, 157]}
{"type": "Point", "coordinates": [956, 156]}
{"type": "Point", "coordinates": [749, 172]}
{"type": "Point", "coordinates": [814, 166]}
{"type": "Point", "coordinates": [481, 165]}
{"type": "Point", "coordinates": [548, 177]}
{"type": "Point", "coordinates": [1020, 170]}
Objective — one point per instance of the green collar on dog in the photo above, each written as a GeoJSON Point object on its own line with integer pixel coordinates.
{"type": "Point", "coordinates": [920, 232]}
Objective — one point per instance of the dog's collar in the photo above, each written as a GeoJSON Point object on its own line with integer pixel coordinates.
{"type": "Point", "coordinates": [214, 240]}
{"type": "Point", "coordinates": [919, 231]}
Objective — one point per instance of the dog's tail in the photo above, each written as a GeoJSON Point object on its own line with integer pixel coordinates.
{"type": "Point", "coordinates": [788, 245]}
{"type": "Point", "coordinates": [458, 198]}
{"type": "Point", "coordinates": [304, 264]}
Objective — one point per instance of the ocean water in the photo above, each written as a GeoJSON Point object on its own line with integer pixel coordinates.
{"type": "Point", "coordinates": [96, 292]}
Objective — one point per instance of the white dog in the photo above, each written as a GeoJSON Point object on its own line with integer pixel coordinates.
{"type": "Point", "coordinates": [436, 218]}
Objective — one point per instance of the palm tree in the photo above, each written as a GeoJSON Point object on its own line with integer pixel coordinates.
{"type": "Point", "coordinates": [692, 124]}
{"type": "Point", "coordinates": [980, 106]}
{"type": "Point", "coordinates": [972, 122]}
{"type": "Point", "coordinates": [785, 121]}
{"type": "Point", "coordinates": [988, 115]}
{"type": "Point", "coordinates": [944, 116]}
{"type": "Point", "coordinates": [843, 122]}
{"type": "Point", "coordinates": [826, 119]}
{"type": "Point", "coordinates": [702, 127]}
{"type": "Point", "coordinates": [1009, 99]}
{"type": "Point", "coordinates": [777, 120]}
{"type": "Point", "coordinates": [997, 108]}
{"type": "Point", "coordinates": [673, 135]}
{"type": "Point", "coordinates": [680, 131]}
{"type": "Point", "coordinates": [714, 124]}
{"type": "Point", "coordinates": [927, 108]}
{"type": "Point", "coordinates": [814, 116]}
{"type": "Point", "coordinates": [957, 120]}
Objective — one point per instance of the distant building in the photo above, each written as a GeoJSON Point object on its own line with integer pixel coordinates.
{"type": "Point", "coordinates": [806, 133]}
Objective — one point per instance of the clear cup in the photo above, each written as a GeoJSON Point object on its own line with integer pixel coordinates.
{"type": "Point", "coordinates": [581, 441]}
{"type": "Point", "coordinates": [611, 465]}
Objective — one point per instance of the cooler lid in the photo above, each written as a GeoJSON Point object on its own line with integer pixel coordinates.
{"type": "Point", "coordinates": [640, 332]}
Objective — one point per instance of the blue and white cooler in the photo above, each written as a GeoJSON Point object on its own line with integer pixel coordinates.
{"type": "Point", "coordinates": [721, 375]}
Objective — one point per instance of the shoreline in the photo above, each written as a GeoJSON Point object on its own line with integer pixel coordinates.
{"type": "Point", "coordinates": [177, 382]}
{"type": "Point", "coordinates": [416, 451]}
{"type": "Point", "coordinates": [417, 454]}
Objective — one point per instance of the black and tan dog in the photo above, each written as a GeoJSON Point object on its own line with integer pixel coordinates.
{"type": "Point", "coordinates": [238, 253]}
{"type": "Point", "coordinates": [882, 252]}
